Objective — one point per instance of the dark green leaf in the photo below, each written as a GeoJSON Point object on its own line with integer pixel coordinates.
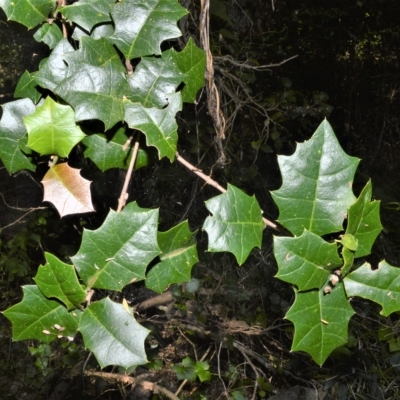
{"type": "Point", "coordinates": [52, 129]}
{"type": "Point", "coordinates": [178, 255]}
{"type": "Point", "coordinates": [111, 332]}
{"type": "Point", "coordinates": [305, 261]}
{"type": "Point", "coordinates": [58, 280]}
{"type": "Point", "coordinates": [88, 13]}
{"type": "Point", "coordinates": [26, 87]}
{"type": "Point", "coordinates": [321, 321]}
{"type": "Point", "coordinates": [28, 12]}
{"type": "Point", "coordinates": [236, 224]}
{"type": "Point", "coordinates": [50, 34]}
{"type": "Point", "coordinates": [142, 25]}
{"type": "Point", "coordinates": [120, 250]}
{"type": "Point", "coordinates": [12, 131]}
{"type": "Point", "coordinates": [159, 126]}
{"type": "Point", "coordinates": [37, 317]}
{"type": "Point", "coordinates": [381, 286]}
{"type": "Point", "coordinates": [316, 190]}
{"type": "Point", "coordinates": [186, 369]}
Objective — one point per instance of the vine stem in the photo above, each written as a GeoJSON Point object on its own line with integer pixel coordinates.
{"type": "Point", "coordinates": [129, 380]}
{"type": "Point", "coordinates": [211, 182]}
{"type": "Point", "coordinates": [124, 192]}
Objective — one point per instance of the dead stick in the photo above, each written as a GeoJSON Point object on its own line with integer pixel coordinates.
{"type": "Point", "coordinates": [211, 182]}
{"type": "Point", "coordinates": [124, 192]}
{"type": "Point", "coordinates": [129, 380]}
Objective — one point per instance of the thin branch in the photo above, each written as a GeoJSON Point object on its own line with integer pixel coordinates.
{"type": "Point", "coordinates": [211, 182]}
{"type": "Point", "coordinates": [243, 64]}
{"type": "Point", "coordinates": [129, 380]}
{"type": "Point", "coordinates": [124, 192]}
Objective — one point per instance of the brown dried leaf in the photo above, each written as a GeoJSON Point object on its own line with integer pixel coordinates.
{"type": "Point", "coordinates": [67, 190]}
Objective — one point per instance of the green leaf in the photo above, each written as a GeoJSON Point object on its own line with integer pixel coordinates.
{"type": "Point", "coordinates": [142, 25]}
{"type": "Point", "coordinates": [87, 87]}
{"type": "Point", "coordinates": [26, 87]}
{"type": "Point", "coordinates": [12, 131]}
{"type": "Point", "coordinates": [202, 371]}
{"type": "Point", "coordinates": [191, 62]}
{"type": "Point", "coordinates": [120, 250]}
{"type": "Point", "coordinates": [108, 154]}
{"type": "Point", "coordinates": [58, 280]}
{"type": "Point", "coordinates": [320, 321]}
{"type": "Point", "coordinates": [349, 241]}
{"type": "Point", "coordinates": [236, 223]}
{"type": "Point", "coordinates": [364, 221]}
{"type": "Point", "coordinates": [87, 13]}
{"type": "Point", "coordinates": [113, 335]}
{"type": "Point", "coordinates": [52, 129]}
{"type": "Point", "coordinates": [305, 261]}
{"type": "Point", "coordinates": [154, 80]}
{"type": "Point", "coordinates": [37, 317]}
{"type": "Point", "coordinates": [316, 190]}
{"type": "Point", "coordinates": [381, 286]}
{"type": "Point", "coordinates": [159, 126]}
{"type": "Point", "coordinates": [28, 12]}
{"type": "Point", "coordinates": [348, 260]}
{"type": "Point", "coordinates": [186, 369]}
{"type": "Point", "coordinates": [50, 34]}
{"type": "Point", "coordinates": [179, 254]}
{"type": "Point", "coordinates": [53, 70]}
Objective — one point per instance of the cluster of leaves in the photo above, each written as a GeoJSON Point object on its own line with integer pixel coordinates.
{"type": "Point", "coordinates": [97, 82]}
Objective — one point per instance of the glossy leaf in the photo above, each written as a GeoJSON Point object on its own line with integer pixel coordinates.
{"type": "Point", "coordinates": [52, 129]}
{"type": "Point", "coordinates": [320, 322]}
{"type": "Point", "coordinates": [58, 280]}
{"type": "Point", "coordinates": [65, 188]}
{"type": "Point", "coordinates": [236, 224]}
{"type": "Point", "coordinates": [120, 250]}
{"type": "Point", "coordinates": [12, 131]}
{"type": "Point", "coordinates": [87, 87]}
{"type": "Point", "coordinates": [178, 255]}
{"type": "Point", "coordinates": [87, 13]}
{"type": "Point", "coordinates": [364, 221]}
{"type": "Point", "coordinates": [159, 126]}
{"type": "Point", "coordinates": [316, 190]}
{"type": "Point", "coordinates": [50, 34]}
{"type": "Point", "coordinates": [142, 25]}
{"type": "Point", "coordinates": [26, 87]}
{"type": "Point", "coordinates": [37, 317]}
{"type": "Point", "coordinates": [28, 12]}
{"type": "Point", "coordinates": [113, 335]}
{"type": "Point", "coordinates": [305, 261]}
{"type": "Point", "coordinates": [54, 70]}
{"type": "Point", "coordinates": [154, 80]}
{"type": "Point", "coordinates": [348, 260]}
{"type": "Point", "coordinates": [191, 62]}
{"type": "Point", "coordinates": [381, 286]}
{"type": "Point", "coordinates": [108, 154]}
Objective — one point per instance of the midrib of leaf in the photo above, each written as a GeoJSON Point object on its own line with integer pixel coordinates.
{"type": "Point", "coordinates": [177, 252]}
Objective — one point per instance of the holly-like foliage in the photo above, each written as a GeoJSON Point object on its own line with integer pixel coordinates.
{"type": "Point", "coordinates": [96, 81]}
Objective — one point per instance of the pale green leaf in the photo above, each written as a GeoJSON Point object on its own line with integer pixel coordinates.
{"type": "Point", "coordinates": [320, 321]}
{"type": "Point", "coordinates": [236, 223]}
{"type": "Point", "coordinates": [28, 12]}
{"type": "Point", "coordinates": [305, 261]}
{"type": "Point", "coordinates": [120, 250]}
{"type": "Point", "coordinates": [142, 25]}
{"type": "Point", "coordinates": [178, 255]}
{"type": "Point", "coordinates": [317, 185]}
{"type": "Point", "coordinates": [50, 34]}
{"type": "Point", "coordinates": [12, 132]}
{"type": "Point", "coordinates": [381, 285]}
{"type": "Point", "coordinates": [113, 335]}
{"type": "Point", "coordinates": [37, 317]}
{"type": "Point", "coordinates": [52, 129]}
{"type": "Point", "coordinates": [159, 126]}
{"type": "Point", "coordinates": [27, 88]}
{"type": "Point", "coordinates": [58, 280]}
{"type": "Point", "coordinates": [364, 221]}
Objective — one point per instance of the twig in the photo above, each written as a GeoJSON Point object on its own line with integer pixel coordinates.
{"type": "Point", "coordinates": [251, 353]}
{"type": "Point", "coordinates": [211, 182]}
{"type": "Point", "coordinates": [129, 380]}
{"type": "Point", "coordinates": [124, 192]}
{"type": "Point", "coordinates": [164, 298]}
{"type": "Point", "coordinates": [255, 372]}
{"type": "Point", "coordinates": [242, 64]}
